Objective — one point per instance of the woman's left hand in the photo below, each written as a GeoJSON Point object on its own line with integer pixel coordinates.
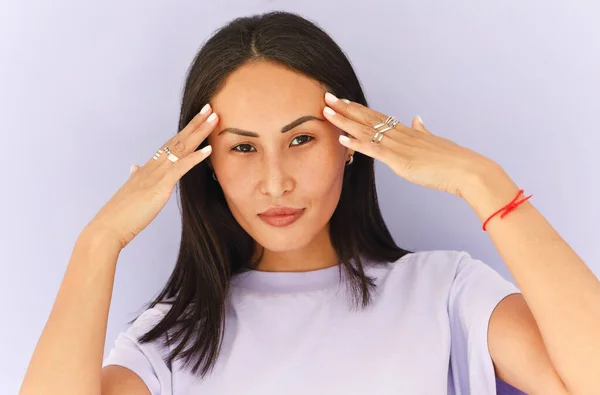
{"type": "Point", "coordinates": [414, 153]}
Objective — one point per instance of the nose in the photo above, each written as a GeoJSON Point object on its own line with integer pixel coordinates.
{"type": "Point", "coordinates": [276, 180]}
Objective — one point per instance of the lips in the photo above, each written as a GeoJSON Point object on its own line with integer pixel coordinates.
{"type": "Point", "coordinates": [282, 216]}
{"type": "Point", "coordinates": [278, 211]}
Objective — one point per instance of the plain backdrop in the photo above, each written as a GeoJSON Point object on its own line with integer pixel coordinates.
{"type": "Point", "coordinates": [89, 88]}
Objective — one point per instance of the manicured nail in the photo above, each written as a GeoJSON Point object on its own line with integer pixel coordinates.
{"type": "Point", "coordinates": [420, 120]}
{"type": "Point", "coordinates": [212, 117]}
{"type": "Point", "coordinates": [344, 139]}
{"type": "Point", "coordinates": [346, 101]}
{"type": "Point", "coordinates": [205, 109]}
{"type": "Point", "coordinates": [131, 169]}
{"type": "Point", "coordinates": [329, 111]}
{"type": "Point", "coordinates": [330, 98]}
{"type": "Point", "coordinates": [206, 150]}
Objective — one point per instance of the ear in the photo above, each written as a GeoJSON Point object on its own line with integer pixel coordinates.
{"type": "Point", "coordinates": [350, 152]}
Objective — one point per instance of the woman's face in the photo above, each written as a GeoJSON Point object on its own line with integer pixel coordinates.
{"type": "Point", "coordinates": [301, 167]}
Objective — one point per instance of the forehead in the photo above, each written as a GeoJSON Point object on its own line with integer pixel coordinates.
{"type": "Point", "coordinates": [267, 95]}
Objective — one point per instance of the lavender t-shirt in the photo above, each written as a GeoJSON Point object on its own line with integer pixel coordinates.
{"type": "Point", "coordinates": [295, 333]}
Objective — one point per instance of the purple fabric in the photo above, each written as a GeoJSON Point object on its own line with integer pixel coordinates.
{"type": "Point", "coordinates": [432, 308]}
{"type": "Point", "coordinates": [503, 388]}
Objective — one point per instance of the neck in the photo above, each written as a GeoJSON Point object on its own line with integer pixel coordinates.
{"type": "Point", "coordinates": [318, 254]}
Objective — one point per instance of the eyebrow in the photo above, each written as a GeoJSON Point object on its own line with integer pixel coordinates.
{"type": "Point", "coordinates": [284, 129]}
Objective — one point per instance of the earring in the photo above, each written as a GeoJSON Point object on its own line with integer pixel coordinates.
{"type": "Point", "coordinates": [214, 176]}
{"type": "Point", "coordinates": [351, 160]}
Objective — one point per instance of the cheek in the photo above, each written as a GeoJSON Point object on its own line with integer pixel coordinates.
{"type": "Point", "coordinates": [237, 186]}
{"type": "Point", "coordinates": [322, 174]}
{"type": "Point", "coordinates": [318, 178]}
{"type": "Point", "coordinates": [233, 180]}
{"type": "Point", "coordinates": [238, 195]}
{"type": "Point", "coordinates": [232, 174]}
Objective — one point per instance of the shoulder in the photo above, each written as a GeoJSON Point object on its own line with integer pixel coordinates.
{"type": "Point", "coordinates": [148, 319]}
{"type": "Point", "coordinates": [436, 263]}
{"type": "Point", "coordinates": [424, 273]}
{"type": "Point", "coordinates": [148, 360]}
{"type": "Point", "coordinates": [434, 271]}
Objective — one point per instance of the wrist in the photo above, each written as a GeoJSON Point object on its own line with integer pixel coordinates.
{"type": "Point", "coordinates": [97, 237]}
{"type": "Point", "coordinates": [489, 190]}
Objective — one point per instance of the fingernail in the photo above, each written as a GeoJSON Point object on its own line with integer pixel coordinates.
{"type": "Point", "coordinates": [420, 120]}
{"type": "Point", "coordinates": [330, 97]}
{"type": "Point", "coordinates": [131, 169]}
{"type": "Point", "coordinates": [329, 111]}
{"type": "Point", "coordinates": [212, 117]}
{"type": "Point", "coordinates": [205, 109]}
{"type": "Point", "coordinates": [344, 139]}
{"type": "Point", "coordinates": [206, 150]}
{"type": "Point", "coordinates": [346, 101]}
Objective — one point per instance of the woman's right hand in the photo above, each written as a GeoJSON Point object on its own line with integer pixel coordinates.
{"type": "Point", "coordinates": [149, 187]}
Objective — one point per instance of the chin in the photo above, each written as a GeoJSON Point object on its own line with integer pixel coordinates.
{"type": "Point", "coordinates": [282, 241]}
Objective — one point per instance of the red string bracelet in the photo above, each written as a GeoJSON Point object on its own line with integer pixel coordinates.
{"type": "Point", "coordinates": [508, 208]}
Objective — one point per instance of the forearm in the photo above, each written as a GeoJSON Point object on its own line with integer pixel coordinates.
{"type": "Point", "coordinates": [562, 293]}
{"type": "Point", "coordinates": [68, 356]}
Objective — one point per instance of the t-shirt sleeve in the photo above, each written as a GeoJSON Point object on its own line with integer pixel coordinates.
{"type": "Point", "coordinates": [147, 359]}
{"type": "Point", "coordinates": [474, 294]}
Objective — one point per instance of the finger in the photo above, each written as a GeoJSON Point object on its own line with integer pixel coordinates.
{"type": "Point", "coordinates": [417, 124]}
{"type": "Point", "coordinates": [355, 129]}
{"type": "Point", "coordinates": [175, 143]}
{"type": "Point", "coordinates": [375, 151]}
{"type": "Point", "coordinates": [133, 169]}
{"type": "Point", "coordinates": [183, 145]}
{"type": "Point", "coordinates": [197, 121]}
{"type": "Point", "coordinates": [192, 158]}
{"type": "Point", "coordinates": [358, 113]}
{"type": "Point", "coordinates": [195, 139]}
{"type": "Point", "coordinates": [182, 166]}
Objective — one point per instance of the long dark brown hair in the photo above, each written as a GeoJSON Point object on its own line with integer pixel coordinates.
{"type": "Point", "coordinates": [213, 245]}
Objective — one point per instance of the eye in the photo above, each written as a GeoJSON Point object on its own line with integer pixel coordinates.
{"type": "Point", "coordinates": [247, 148]}
{"type": "Point", "coordinates": [242, 151]}
{"type": "Point", "coordinates": [309, 138]}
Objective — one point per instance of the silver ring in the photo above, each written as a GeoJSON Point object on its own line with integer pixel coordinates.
{"type": "Point", "coordinates": [389, 124]}
{"type": "Point", "coordinates": [377, 137]}
{"type": "Point", "coordinates": [392, 122]}
{"type": "Point", "coordinates": [170, 156]}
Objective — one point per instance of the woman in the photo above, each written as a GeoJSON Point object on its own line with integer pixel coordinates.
{"type": "Point", "coordinates": [287, 280]}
